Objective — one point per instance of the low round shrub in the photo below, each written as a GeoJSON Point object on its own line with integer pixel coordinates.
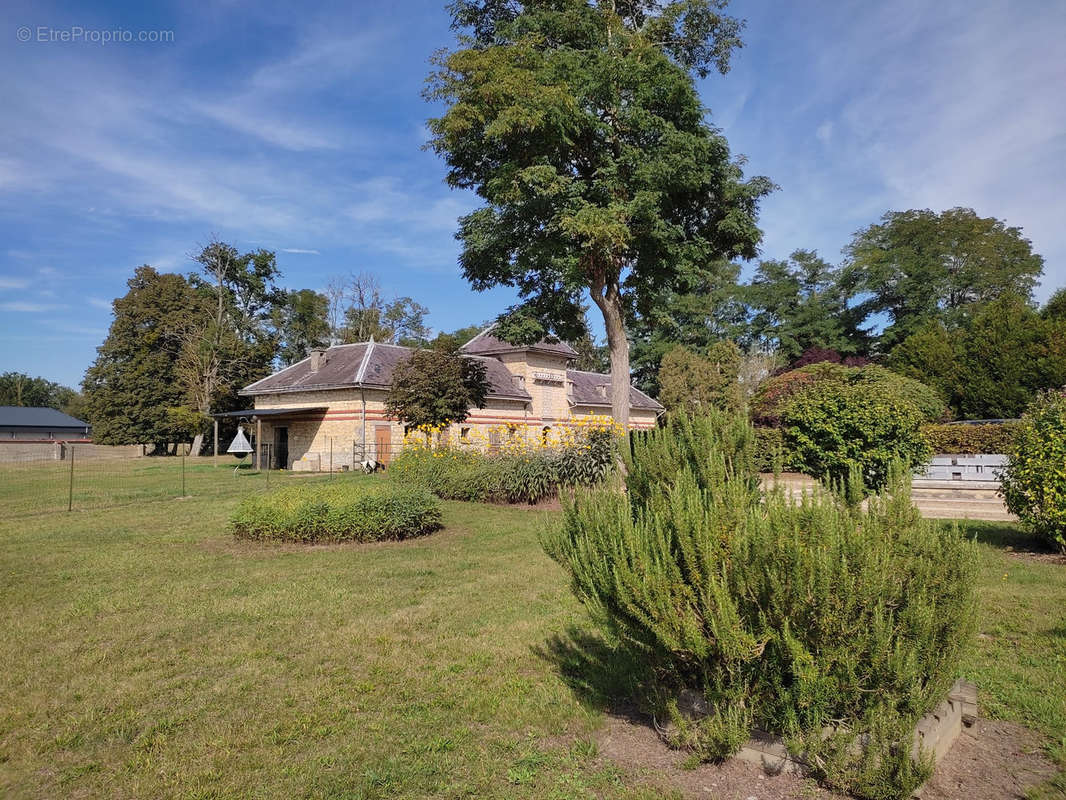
{"type": "Point", "coordinates": [839, 429]}
{"type": "Point", "coordinates": [337, 512]}
{"type": "Point", "coordinates": [1034, 480]}
{"type": "Point", "coordinates": [834, 626]}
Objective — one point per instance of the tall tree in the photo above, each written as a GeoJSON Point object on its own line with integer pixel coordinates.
{"type": "Point", "coordinates": [920, 265]}
{"type": "Point", "coordinates": [798, 304]}
{"type": "Point", "coordinates": [579, 126]}
{"type": "Point", "coordinates": [133, 381]}
{"type": "Point", "coordinates": [367, 315]}
{"type": "Point", "coordinates": [233, 343]}
{"type": "Point", "coordinates": [302, 323]}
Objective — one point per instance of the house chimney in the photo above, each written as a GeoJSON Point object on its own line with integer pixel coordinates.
{"type": "Point", "coordinates": [519, 381]}
{"type": "Point", "coordinates": [601, 390]}
{"type": "Point", "coordinates": [318, 358]}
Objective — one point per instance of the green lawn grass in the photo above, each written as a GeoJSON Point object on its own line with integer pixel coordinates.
{"type": "Point", "coordinates": [147, 654]}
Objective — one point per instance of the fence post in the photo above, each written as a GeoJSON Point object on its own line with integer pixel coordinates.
{"type": "Point", "coordinates": [182, 474]}
{"type": "Point", "coordinates": [70, 489]}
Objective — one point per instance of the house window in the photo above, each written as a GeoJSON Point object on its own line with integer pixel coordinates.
{"type": "Point", "coordinates": [545, 432]}
{"type": "Point", "coordinates": [512, 431]}
{"type": "Point", "coordinates": [464, 433]}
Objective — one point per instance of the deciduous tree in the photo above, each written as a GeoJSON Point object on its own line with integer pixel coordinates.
{"type": "Point", "coordinates": [920, 265]}
{"type": "Point", "coordinates": [436, 386]}
{"type": "Point", "coordinates": [695, 383]}
{"type": "Point", "coordinates": [579, 126]}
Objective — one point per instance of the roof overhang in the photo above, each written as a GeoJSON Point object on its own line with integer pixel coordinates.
{"type": "Point", "coordinates": [254, 413]}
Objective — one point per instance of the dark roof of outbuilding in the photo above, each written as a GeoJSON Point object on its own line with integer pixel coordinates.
{"type": "Point", "coordinates": [485, 343]}
{"type": "Point", "coordinates": [32, 417]}
{"type": "Point", "coordinates": [369, 365]}
{"type": "Point", "coordinates": [586, 393]}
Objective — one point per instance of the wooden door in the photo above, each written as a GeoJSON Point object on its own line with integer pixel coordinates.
{"type": "Point", "coordinates": [383, 443]}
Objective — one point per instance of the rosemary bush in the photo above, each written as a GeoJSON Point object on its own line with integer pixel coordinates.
{"type": "Point", "coordinates": [791, 617]}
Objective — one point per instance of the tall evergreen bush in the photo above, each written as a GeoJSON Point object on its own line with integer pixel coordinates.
{"type": "Point", "coordinates": [818, 620]}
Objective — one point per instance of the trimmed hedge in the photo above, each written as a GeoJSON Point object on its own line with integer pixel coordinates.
{"type": "Point", "coordinates": [996, 437]}
{"type": "Point", "coordinates": [337, 512]}
{"type": "Point", "coordinates": [776, 615]}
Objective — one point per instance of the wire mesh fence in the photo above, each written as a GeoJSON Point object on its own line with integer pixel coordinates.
{"type": "Point", "coordinates": [73, 478]}
{"type": "Point", "coordinates": [81, 477]}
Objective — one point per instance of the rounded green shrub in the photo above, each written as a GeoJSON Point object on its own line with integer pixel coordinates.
{"type": "Point", "coordinates": [832, 625]}
{"type": "Point", "coordinates": [842, 428]}
{"type": "Point", "coordinates": [878, 382]}
{"type": "Point", "coordinates": [337, 512]}
{"type": "Point", "coordinates": [1034, 480]}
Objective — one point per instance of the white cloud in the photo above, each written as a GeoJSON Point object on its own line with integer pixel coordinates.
{"type": "Point", "coordinates": [19, 306]}
{"type": "Point", "coordinates": [300, 251]}
{"type": "Point", "coordinates": [97, 302]}
{"type": "Point", "coordinates": [13, 283]}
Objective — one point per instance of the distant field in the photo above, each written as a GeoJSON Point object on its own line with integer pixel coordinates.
{"type": "Point", "coordinates": [147, 654]}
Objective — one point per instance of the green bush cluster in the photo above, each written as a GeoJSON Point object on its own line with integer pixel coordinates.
{"type": "Point", "coordinates": [826, 623]}
{"type": "Point", "coordinates": [528, 477]}
{"type": "Point", "coordinates": [337, 512]}
{"type": "Point", "coordinates": [839, 428]}
{"type": "Point", "coordinates": [875, 381]}
{"type": "Point", "coordinates": [995, 437]}
{"type": "Point", "coordinates": [1034, 481]}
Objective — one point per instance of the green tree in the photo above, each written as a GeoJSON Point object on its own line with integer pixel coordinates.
{"type": "Point", "coordinates": [591, 355]}
{"type": "Point", "coordinates": [579, 126]}
{"type": "Point", "coordinates": [695, 383]}
{"type": "Point", "coordinates": [1055, 307]}
{"type": "Point", "coordinates": [302, 324]}
{"type": "Point", "coordinates": [133, 381]}
{"type": "Point", "coordinates": [799, 304]}
{"type": "Point", "coordinates": [920, 265]}
{"type": "Point", "coordinates": [231, 343]}
{"type": "Point", "coordinates": [458, 337]}
{"type": "Point", "coordinates": [990, 361]}
{"type": "Point", "coordinates": [19, 389]}
{"type": "Point", "coordinates": [707, 310]}
{"type": "Point", "coordinates": [435, 387]}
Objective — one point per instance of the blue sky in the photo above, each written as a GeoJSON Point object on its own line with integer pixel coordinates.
{"type": "Point", "coordinates": [299, 128]}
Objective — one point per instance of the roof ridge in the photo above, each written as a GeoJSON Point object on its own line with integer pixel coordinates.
{"type": "Point", "coordinates": [479, 335]}
{"type": "Point", "coordinates": [359, 373]}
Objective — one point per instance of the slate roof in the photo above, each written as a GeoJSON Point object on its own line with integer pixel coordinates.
{"type": "Point", "coordinates": [585, 392]}
{"type": "Point", "coordinates": [485, 344]}
{"type": "Point", "coordinates": [31, 417]}
{"type": "Point", "coordinates": [367, 365]}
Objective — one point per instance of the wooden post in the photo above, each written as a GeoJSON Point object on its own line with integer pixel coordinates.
{"type": "Point", "coordinates": [216, 442]}
{"type": "Point", "coordinates": [258, 443]}
{"type": "Point", "coordinates": [70, 489]}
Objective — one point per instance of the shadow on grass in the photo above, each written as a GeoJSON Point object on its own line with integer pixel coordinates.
{"type": "Point", "coordinates": [1005, 535]}
{"type": "Point", "coordinates": [603, 677]}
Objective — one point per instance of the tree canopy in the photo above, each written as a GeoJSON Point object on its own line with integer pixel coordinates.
{"type": "Point", "coordinates": [919, 265]}
{"type": "Point", "coordinates": [19, 389]}
{"type": "Point", "coordinates": [696, 383]}
{"type": "Point", "coordinates": [579, 126]}
{"type": "Point", "coordinates": [436, 386]}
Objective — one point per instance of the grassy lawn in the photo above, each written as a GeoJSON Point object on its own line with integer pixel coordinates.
{"type": "Point", "coordinates": [146, 654]}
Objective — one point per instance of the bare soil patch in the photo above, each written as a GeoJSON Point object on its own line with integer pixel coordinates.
{"type": "Point", "coordinates": [989, 761]}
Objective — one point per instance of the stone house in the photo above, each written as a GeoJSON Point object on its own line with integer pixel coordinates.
{"type": "Point", "coordinates": [328, 410]}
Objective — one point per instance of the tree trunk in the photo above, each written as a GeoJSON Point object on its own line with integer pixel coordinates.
{"type": "Point", "coordinates": [609, 303]}
{"type": "Point", "coordinates": [197, 444]}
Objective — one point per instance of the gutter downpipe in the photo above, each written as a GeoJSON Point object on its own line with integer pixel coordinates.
{"type": "Point", "coordinates": [362, 417]}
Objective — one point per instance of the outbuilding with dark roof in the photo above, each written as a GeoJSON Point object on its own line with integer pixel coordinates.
{"type": "Point", "coordinates": [31, 424]}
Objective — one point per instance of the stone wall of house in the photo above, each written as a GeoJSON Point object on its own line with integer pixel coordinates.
{"type": "Point", "coordinates": [544, 376]}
